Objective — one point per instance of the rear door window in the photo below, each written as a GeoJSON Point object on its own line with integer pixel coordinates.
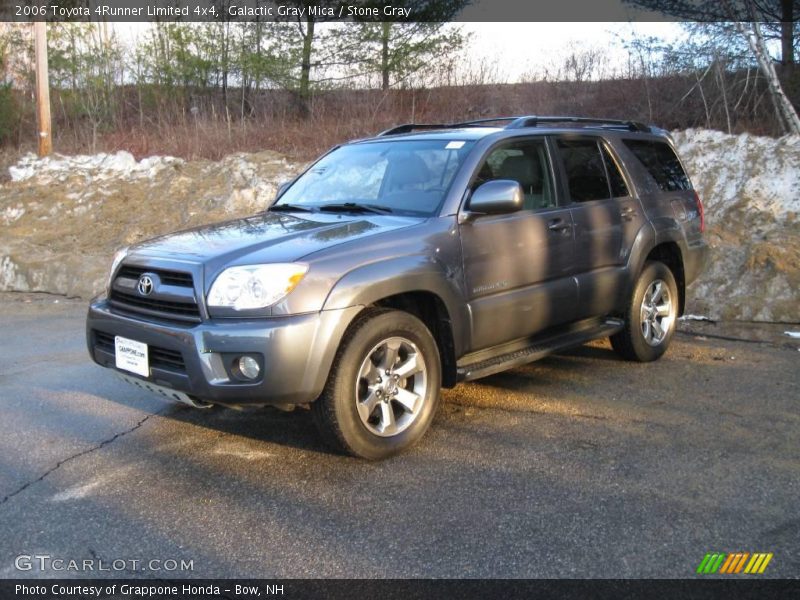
{"type": "Point", "coordinates": [661, 162]}
{"type": "Point", "coordinates": [585, 169]}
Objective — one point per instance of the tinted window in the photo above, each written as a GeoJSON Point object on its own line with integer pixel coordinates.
{"type": "Point", "coordinates": [660, 161]}
{"type": "Point", "coordinates": [526, 163]}
{"type": "Point", "coordinates": [586, 173]}
{"type": "Point", "coordinates": [619, 189]}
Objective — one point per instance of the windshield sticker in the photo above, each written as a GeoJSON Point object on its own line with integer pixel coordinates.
{"type": "Point", "coordinates": [454, 145]}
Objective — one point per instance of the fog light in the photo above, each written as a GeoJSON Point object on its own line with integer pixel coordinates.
{"type": "Point", "coordinates": [248, 367]}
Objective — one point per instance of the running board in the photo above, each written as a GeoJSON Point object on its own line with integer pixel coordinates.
{"type": "Point", "coordinates": [538, 349]}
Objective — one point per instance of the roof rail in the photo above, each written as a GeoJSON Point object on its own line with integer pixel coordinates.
{"type": "Point", "coordinates": [522, 122]}
{"type": "Point", "coordinates": [533, 121]}
{"type": "Point", "coordinates": [483, 121]}
{"type": "Point", "coordinates": [409, 127]}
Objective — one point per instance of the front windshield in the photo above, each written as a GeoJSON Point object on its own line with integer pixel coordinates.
{"type": "Point", "coordinates": [402, 176]}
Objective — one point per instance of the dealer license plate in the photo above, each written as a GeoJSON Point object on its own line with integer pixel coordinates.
{"type": "Point", "coordinates": [131, 356]}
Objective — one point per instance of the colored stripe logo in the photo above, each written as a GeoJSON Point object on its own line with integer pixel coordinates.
{"type": "Point", "coordinates": [733, 563]}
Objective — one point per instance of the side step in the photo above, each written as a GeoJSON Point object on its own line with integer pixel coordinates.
{"type": "Point", "coordinates": [538, 348]}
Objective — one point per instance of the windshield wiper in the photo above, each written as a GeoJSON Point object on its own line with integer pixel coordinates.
{"type": "Point", "coordinates": [290, 208]}
{"type": "Point", "coordinates": [356, 207]}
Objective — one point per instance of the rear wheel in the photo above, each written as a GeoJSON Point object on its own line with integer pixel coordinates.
{"type": "Point", "coordinates": [383, 390]}
{"type": "Point", "coordinates": [651, 315]}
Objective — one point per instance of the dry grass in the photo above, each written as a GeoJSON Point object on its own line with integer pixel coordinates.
{"type": "Point", "coordinates": [191, 124]}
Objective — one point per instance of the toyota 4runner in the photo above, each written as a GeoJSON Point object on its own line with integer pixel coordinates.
{"type": "Point", "coordinates": [416, 259]}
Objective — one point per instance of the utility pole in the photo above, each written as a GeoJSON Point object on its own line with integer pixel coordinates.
{"type": "Point", "coordinates": [42, 89]}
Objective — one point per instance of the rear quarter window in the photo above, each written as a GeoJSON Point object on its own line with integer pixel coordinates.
{"type": "Point", "coordinates": [661, 162]}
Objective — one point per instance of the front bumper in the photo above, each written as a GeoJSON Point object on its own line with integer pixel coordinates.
{"type": "Point", "coordinates": [295, 352]}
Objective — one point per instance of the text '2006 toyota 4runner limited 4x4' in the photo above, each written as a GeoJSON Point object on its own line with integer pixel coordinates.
{"type": "Point", "coordinates": [395, 265]}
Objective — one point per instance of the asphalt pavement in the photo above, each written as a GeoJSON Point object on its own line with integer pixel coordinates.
{"type": "Point", "coordinates": [580, 465]}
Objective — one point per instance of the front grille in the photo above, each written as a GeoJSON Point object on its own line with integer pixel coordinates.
{"type": "Point", "coordinates": [160, 358]}
{"type": "Point", "coordinates": [187, 312]}
{"type": "Point", "coordinates": [176, 278]}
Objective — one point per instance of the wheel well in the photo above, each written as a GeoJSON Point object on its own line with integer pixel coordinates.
{"type": "Point", "coordinates": [670, 254]}
{"type": "Point", "coordinates": [429, 309]}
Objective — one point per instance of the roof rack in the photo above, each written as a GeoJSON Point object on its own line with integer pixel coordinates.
{"type": "Point", "coordinates": [533, 121]}
{"type": "Point", "coordinates": [483, 122]}
{"type": "Point", "coordinates": [409, 127]}
{"type": "Point", "coordinates": [522, 122]}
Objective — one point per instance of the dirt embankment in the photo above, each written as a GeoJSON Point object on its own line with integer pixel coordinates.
{"type": "Point", "coordinates": [750, 187]}
{"type": "Point", "coordinates": [63, 218]}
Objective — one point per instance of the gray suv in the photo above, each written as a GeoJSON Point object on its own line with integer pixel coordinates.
{"type": "Point", "coordinates": [416, 259]}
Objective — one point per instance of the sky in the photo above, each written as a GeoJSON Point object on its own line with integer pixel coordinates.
{"type": "Point", "coordinates": [520, 48]}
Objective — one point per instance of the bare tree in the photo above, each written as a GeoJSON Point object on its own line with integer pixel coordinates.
{"type": "Point", "coordinates": [783, 107]}
{"type": "Point", "coordinates": [747, 15]}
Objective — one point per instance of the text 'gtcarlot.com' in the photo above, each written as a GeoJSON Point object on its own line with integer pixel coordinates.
{"type": "Point", "coordinates": [46, 562]}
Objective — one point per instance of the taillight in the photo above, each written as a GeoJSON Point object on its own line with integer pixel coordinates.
{"type": "Point", "coordinates": [700, 211]}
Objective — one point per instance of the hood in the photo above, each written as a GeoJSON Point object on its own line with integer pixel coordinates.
{"type": "Point", "coordinates": [267, 237]}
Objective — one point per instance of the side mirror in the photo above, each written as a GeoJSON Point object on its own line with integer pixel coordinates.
{"type": "Point", "coordinates": [497, 197]}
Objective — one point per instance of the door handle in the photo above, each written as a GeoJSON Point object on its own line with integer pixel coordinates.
{"type": "Point", "coordinates": [627, 213]}
{"type": "Point", "coordinates": [558, 225]}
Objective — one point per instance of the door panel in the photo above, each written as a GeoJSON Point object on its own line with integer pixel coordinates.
{"type": "Point", "coordinates": [517, 270]}
{"type": "Point", "coordinates": [598, 246]}
{"type": "Point", "coordinates": [599, 226]}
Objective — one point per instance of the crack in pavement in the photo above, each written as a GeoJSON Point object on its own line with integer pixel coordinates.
{"type": "Point", "coordinates": [60, 463]}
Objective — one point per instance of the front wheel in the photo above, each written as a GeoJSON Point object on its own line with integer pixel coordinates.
{"type": "Point", "coordinates": [383, 389]}
{"type": "Point", "coordinates": [651, 315]}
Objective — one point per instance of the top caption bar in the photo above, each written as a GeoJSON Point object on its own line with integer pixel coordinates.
{"type": "Point", "coordinates": [359, 10]}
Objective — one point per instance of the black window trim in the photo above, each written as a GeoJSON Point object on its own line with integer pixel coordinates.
{"type": "Point", "coordinates": [617, 163]}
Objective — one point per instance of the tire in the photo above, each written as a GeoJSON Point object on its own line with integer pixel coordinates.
{"type": "Point", "coordinates": [365, 411]}
{"type": "Point", "coordinates": [650, 317]}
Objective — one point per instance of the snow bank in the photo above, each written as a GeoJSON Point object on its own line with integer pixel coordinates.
{"type": "Point", "coordinates": [96, 167]}
{"type": "Point", "coordinates": [750, 187]}
{"type": "Point", "coordinates": [726, 169]}
{"type": "Point", "coordinates": [63, 216]}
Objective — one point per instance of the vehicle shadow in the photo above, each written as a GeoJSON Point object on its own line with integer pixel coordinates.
{"type": "Point", "coordinates": [266, 425]}
{"type": "Point", "coordinates": [296, 429]}
{"type": "Point", "coordinates": [591, 350]}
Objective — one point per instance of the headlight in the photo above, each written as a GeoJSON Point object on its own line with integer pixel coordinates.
{"type": "Point", "coordinates": [118, 258]}
{"type": "Point", "coordinates": [255, 286]}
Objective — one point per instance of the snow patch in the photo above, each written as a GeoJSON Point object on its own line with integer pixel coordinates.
{"type": "Point", "coordinates": [12, 213]}
{"type": "Point", "coordinates": [96, 167]}
{"type": "Point", "coordinates": [763, 171]}
{"type": "Point", "coordinates": [10, 278]}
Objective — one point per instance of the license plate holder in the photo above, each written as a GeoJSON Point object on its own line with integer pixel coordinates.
{"type": "Point", "coordinates": [131, 356]}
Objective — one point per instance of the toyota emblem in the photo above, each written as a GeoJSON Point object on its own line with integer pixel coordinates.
{"type": "Point", "coordinates": [145, 285]}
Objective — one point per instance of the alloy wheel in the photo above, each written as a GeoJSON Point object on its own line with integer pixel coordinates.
{"type": "Point", "coordinates": [657, 313]}
{"type": "Point", "coordinates": [391, 386]}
